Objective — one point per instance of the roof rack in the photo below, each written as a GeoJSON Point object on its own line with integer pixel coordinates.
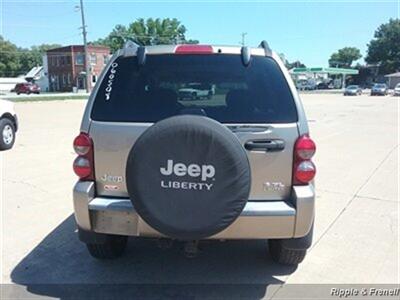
{"type": "Point", "coordinates": [246, 55]}
{"type": "Point", "coordinates": [132, 49]}
{"type": "Point", "coordinates": [265, 46]}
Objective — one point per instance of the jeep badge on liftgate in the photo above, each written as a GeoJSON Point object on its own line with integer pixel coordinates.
{"type": "Point", "coordinates": [193, 170]}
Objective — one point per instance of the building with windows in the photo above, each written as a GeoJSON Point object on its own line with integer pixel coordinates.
{"type": "Point", "coordinates": [66, 66]}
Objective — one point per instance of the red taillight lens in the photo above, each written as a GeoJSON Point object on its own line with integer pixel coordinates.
{"type": "Point", "coordinates": [83, 164]}
{"type": "Point", "coordinates": [305, 147]}
{"type": "Point", "coordinates": [82, 144]}
{"type": "Point", "coordinates": [305, 171]}
{"type": "Point", "coordinates": [194, 49]}
{"type": "Point", "coordinates": [303, 168]}
{"type": "Point", "coordinates": [82, 167]}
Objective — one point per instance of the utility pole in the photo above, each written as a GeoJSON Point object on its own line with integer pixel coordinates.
{"type": "Point", "coordinates": [243, 38]}
{"type": "Point", "coordinates": [87, 61]}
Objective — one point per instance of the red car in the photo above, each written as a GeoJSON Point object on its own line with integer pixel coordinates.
{"type": "Point", "coordinates": [27, 88]}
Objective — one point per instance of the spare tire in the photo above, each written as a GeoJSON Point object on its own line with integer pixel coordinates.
{"type": "Point", "coordinates": [188, 177]}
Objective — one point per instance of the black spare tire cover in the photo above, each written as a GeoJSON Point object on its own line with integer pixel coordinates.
{"type": "Point", "coordinates": [188, 177]}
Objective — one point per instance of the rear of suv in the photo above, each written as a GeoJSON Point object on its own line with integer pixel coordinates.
{"type": "Point", "coordinates": [235, 164]}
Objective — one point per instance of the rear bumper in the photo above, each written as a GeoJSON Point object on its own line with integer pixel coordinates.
{"type": "Point", "coordinates": [258, 220]}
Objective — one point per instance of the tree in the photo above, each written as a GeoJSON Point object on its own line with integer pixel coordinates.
{"type": "Point", "coordinates": [9, 60]}
{"type": "Point", "coordinates": [146, 32]}
{"type": "Point", "coordinates": [344, 57]}
{"type": "Point", "coordinates": [32, 57]}
{"type": "Point", "coordinates": [384, 49]}
{"type": "Point", "coordinates": [295, 64]}
{"type": "Point", "coordinates": [289, 65]}
{"type": "Point", "coordinates": [16, 61]}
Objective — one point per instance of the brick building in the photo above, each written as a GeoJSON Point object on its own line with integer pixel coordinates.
{"type": "Point", "coordinates": [66, 66]}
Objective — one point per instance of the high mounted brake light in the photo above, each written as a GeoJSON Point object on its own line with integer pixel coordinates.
{"type": "Point", "coordinates": [83, 164]}
{"type": "Point", "coordinates": [303, 168]}
{"type": "Point", "coordinates": [194, 49]}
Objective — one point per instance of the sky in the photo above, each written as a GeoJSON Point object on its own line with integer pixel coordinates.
{"type": "Point", "coordinates": [309, 31]}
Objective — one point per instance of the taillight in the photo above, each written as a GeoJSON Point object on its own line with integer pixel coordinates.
{"type": "Point", "coordinates": [194, 49]}
{"type": "Point", "coordinates": [305, 147]}
{"type": "Point", "coordinates": [83, 164]}
{"type": "Point", "coordinates": [303, 168]}
{"type": "Point", "coordinates": [82, 144]}
{"type": "Point", "coordinates": [82, 167]}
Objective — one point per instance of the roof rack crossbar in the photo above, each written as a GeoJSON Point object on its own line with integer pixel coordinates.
{"type": "Point", "coordinates": [265, 46]}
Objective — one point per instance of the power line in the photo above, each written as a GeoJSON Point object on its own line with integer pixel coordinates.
{"type": "Point", "coordinates": [37, 26]}
{"type": "Point", "coordinates": [37, 16]}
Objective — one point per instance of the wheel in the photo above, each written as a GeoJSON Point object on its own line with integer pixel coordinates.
{"type": "Point", "coordinates": [113, 247]}
{"type": "Point", "coordinates": [194, 96]}
{"type": "Point", "coordinates": [7, 137]}
{"type": "Point", "coordinates": [18, 93]}
{"type": "Point", "coordinates": [285, 256]}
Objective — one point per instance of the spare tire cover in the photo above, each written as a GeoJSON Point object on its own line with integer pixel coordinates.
{"type": "Point", "coordinates": [188, 177]}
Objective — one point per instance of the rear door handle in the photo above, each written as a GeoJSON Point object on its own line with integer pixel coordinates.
{"type": "Point", "coordinates": [265, 145]}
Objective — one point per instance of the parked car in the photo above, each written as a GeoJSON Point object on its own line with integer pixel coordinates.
{"type": "Point", "coordinates": [379, 89]}
{"type": "Point", "coordinates": [396, 90]}
{"type": "Point", "coordinates": [325, 85]}
{"type": "Point", "coordinates": [8, 124]}
{"type": "Point", "coordinates": [27, 88]}
{"type": "Point", "coordinates": [238, 166]}
{"type": "Point", "coordinates": [352, 90]}
{"type": "Point", "coordinates": [305, 85]}
{"type": "Point", "coordinates": [196, 91]}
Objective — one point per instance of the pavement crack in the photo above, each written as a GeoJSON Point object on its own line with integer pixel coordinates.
{"type": "Point", "coordinates": [354, 197]}
{"type": "Point", "coordinates": [27, 184]}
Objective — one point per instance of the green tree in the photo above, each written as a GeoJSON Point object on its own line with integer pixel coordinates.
{"type": "Point", "coordinates": [16, 61]}
{"type": "Point", "coordinates": [146, 32]}
{"type": "Point", "coordinates": [32, 57]}
{"type": "Point", "coordinates": [9, 60]}
{"type": "Point", "coordinates": [344, 57]}
{"type": "Point", "coordinates": [295, 64]}
{"type": "Point", "coordinates": [291, 65]}
{"type": "Point", "coordinates": [384, 49]}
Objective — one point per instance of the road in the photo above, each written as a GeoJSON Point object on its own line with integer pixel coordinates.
{"type": "Point", "coordinates": [356, 230]}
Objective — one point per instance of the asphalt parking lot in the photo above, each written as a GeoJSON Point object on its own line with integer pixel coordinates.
{"type": "Point", "coordinates": [357, 215]}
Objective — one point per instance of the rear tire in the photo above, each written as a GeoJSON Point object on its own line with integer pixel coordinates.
{"type": "Point", "coordinates": [113, 247]}
{"type": "Point", "coordinates": [285, 256]}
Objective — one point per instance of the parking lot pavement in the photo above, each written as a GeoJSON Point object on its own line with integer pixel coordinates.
{"type": "Point", "coordinates": [356, 230]}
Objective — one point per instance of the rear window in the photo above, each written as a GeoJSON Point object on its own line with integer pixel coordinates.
{"type": "Point", "coordinates": [216, 86]}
